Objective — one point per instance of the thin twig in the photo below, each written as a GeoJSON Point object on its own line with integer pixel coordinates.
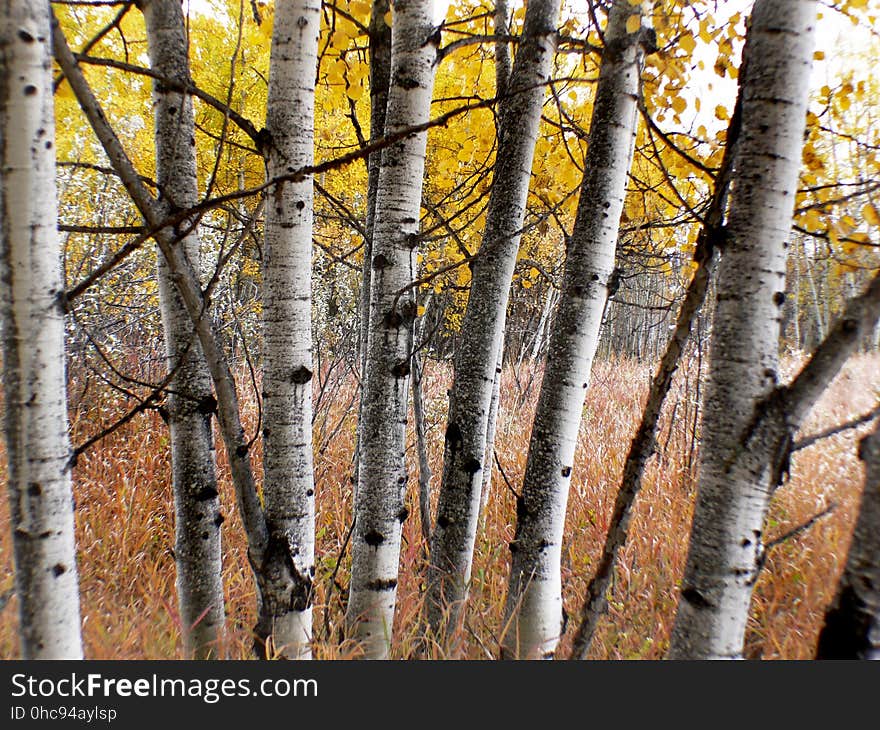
{"type": "Point", "coordinates": [833, 431]}
{"type": "Point", "coordinates": [794, 532]}
{"type": "Point", "coordinates": [504, 476]}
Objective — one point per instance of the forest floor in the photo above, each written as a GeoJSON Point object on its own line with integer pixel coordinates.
{"type": "Point", "coordinates": [124, 521]}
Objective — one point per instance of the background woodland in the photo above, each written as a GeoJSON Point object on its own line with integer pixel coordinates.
{"type": "Point", "coordinates": [386, 238]}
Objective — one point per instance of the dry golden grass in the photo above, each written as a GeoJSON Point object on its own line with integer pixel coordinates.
{"type": "Point", "coordinates": [125, 525]}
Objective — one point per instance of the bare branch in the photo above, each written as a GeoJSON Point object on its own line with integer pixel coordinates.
{"type": "Point", "coordinates": [833, 431]}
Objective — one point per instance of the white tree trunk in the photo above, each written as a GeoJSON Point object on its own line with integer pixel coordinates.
{"type": "Point", "coordinates": [379, 504]}
{"type": "Point", "coordinates": [534, 600]}
{"type": "Point", "coordinates": [31, 282]}
{"type": "Point", "coordinates": [289, 490]}
{"type": "Point", "coordinates": [540, 332]}
{"type": "Point", "coordinates": [466, 453]}
{"type": "Point", "coordinates": [190, 400]}
{"type": "Point", "coordinates": [491, 426]}
{"type": "Point", "coordinates": [735, 479]}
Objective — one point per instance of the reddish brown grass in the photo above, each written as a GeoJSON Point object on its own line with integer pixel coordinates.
{"type": "Point", "coordinates": [125, 525]}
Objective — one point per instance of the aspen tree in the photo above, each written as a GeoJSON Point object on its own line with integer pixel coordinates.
{"type": "Point", "coordinates": [502, 78]}
{"type": "Point", "coordinates": [380, 77]}
{"type": "Point", "coordinates": [380, 72]}
{"type": "Point", "coordinates": [34, 384]}
{"type": "Point", "coordinates": [534, 598]}
{"type": "Point", "coordinates": [192, 297]}
{"type": "Point", "coordinates": [466, 452]}
{"type": "Point", "coordinates": [736, 478]}
{"type": "Point", "coordinates": [379, 505]}
{"type": "Point", "coordinates": [190, 399]}
{"type": "Point", "coordinates": [289, 487]}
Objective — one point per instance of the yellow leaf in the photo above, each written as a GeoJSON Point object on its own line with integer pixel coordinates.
{"type": "Point", "coordinates": [360, 9]}
{"type": "Point", "coordinates": [679, 104]}
{"type": "Point", "coordinates": [387, 18]}
{"type": "Point", "coordinates": [688, 43]}
{"type": "Point", "coordinates": [335, 73]}
{"type": "Point", "coordinates": [721, 113]}
{"type": "Point", "coordinates": [64, 91]}
{"type": "Point", "coordinates": [845, 225]}
{"type": "Point", "coordinates": [705, 35]}
{"type": "Point", "coordinates": [633, 23]}
{"type": "Point", "coordinates": [812, 221]}
{"type": "Point", "coordinates": [819, 56]}
{"type": "Point", "coordinates": [341, 38]}
{"type": "Point", "coordinates": [871, 215]}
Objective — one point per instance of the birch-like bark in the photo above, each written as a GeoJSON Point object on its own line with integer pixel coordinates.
{"type": "Point", "coordinates": [491, 426]}
{"type": "Point", "coordinates": [534, 599]}
{"type": "Point", "coordinates": [852, 622]}
{"type": "Point", "coordinates": [379, 504]}
{"type": "Point", "coordinates": [501, 24]}
{"type": "Point", "coordinates": [34, 383]}
{"type": "Point", "coordinates": [764, 447]}
{"type": "Point", "coordinates": [538, 343]}
{"type": "Point", "coordinates": [465, 453]}
{"type": "Point", "coordinates": [502, 79]}
{"type": "Point", "coordinates": [736, 480]}
{"type": "Point", "coordinates": [380, 76]}
{"type": "Point", "coordinates": [190, 400]}
{"type": "Point", "coordinates": [285, 578]}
